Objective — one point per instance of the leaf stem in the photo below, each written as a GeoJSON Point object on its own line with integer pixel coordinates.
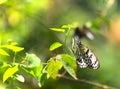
{"type": "Point", "coordinates": [66, 36]}
{"type": "Point", "coordinates": [14, 58]}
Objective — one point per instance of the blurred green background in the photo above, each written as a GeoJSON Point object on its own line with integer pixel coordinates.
{"type": "Point", "coordinates": [28, 21]}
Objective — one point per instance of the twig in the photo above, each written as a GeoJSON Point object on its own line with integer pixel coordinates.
{"type": "Point", "coordinates": [103, 86]}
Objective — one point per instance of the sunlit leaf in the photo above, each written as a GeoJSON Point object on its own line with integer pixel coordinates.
{"type": "Point", "coordinates": [2, 1]}
{"type": "Point", "coordinates": [3, 52]}
{"type": "Point", "coordinates": [53, 67]}
{"type": "Point", "coordinates": [58, 29]}
{"type": "Point", "coordinates": [55, 46]}
{"type": "Point", "coordinates": [9, 72]}
{"type": "Point", "coordinates": [13, 48]}
{"type": "Point", "coordinates": [33, 60]}
{"type": "Point", "coordinates": [67, 26]}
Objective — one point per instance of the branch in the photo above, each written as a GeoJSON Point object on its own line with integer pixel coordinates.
{"type": "Point", "coordinates": [88, 82]}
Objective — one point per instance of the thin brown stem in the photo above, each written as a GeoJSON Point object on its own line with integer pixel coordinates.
{"type": "Point", "coordinates": [103, 86]}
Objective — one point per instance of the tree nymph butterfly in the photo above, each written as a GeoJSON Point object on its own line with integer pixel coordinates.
{"type": "Point", "coordinates": [85, 58]}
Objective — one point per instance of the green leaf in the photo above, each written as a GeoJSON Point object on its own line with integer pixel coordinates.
{"type": "Point", "coordinates": [13, 48]}
{"type": "Point", "coordinates": [69, 64]}
{"type": "Point", "coordinates": [55, 45]}
{"type": "Point", "coordinates": [53, 67]}
{"type": "Point", "coordinates": [3, 52]}
{"type": "Point", "coordinates": [13, 43]}
{"type": "Point", "coordinates": [28, 70]}
{"type": "Point", "coordinates": [33, 60]}
{"type": "Point", "coordinates": [9, 72]}
{"type": "Point", "coordinates": [38, 70]}
{"type": "Point", "coordinates": [3, 65]}
{"type": "Point", "coordinates": [71, 61]}
{"type": "Point", "coordinates": [58, 29]}
{"type": "Point", "coordinates": [70, 70]}
{"type": "Point", "coordinates": [67, 26]}
{"type": "Point", "coordinates": [42, 78]}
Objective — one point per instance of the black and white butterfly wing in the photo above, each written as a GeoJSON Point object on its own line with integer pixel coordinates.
{"type": "Point", "coordinates": [85, 58]}
{"type": "Point", "coordinates": [94, 61]}
{"type": "Point", "coordinates": [81, 63]}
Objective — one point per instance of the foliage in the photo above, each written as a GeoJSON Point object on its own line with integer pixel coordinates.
{"type": "Point", "coordinates": [39, 54]}
{"type": "Point", "coordinates": [32, 65]}
{"type": "Point", "coordinates": [55, 45]}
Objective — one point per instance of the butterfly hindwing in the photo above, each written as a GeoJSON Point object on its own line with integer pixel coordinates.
{"type": "Point", "coordinates": [94, 61]}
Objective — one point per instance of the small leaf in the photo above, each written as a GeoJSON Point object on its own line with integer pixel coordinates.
{"type": "Point", "coordinates": [69, 64]}
{"type": "Point", "coordinates": [33, 60]}
{"type": "Point", "coordinates": [2, 52]}
{"type": "Point", "coordinates": [20, 78]}
{"type": "Point", "coordinates": [13, 48]}
{"type": "Point", "coordinates": [27, 70]}
{"type": "Point", "coordinates": [55, 45]}
{"type": "Point", "coordinates": [53, 67]}
{"type": "Point", "coordinates": [70, 70]}
{"type": "Point", "coordinates": [67, 26]}
{"type": "Point", "coordinates": [3, 65]}
{"type": "Point", "coordinates": [58, 29]}
{"type": "Point", "coordinates": [69, 59]}
{"type": "Point", "coordinates": [38, 70]}
{"type": "Point", "coordinates": [9, 72]}
{"type": "Point", "coordinates": [42, 78]}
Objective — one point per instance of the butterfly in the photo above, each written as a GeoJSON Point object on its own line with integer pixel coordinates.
{"type": "Point", "coordinates": [85, 58]}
